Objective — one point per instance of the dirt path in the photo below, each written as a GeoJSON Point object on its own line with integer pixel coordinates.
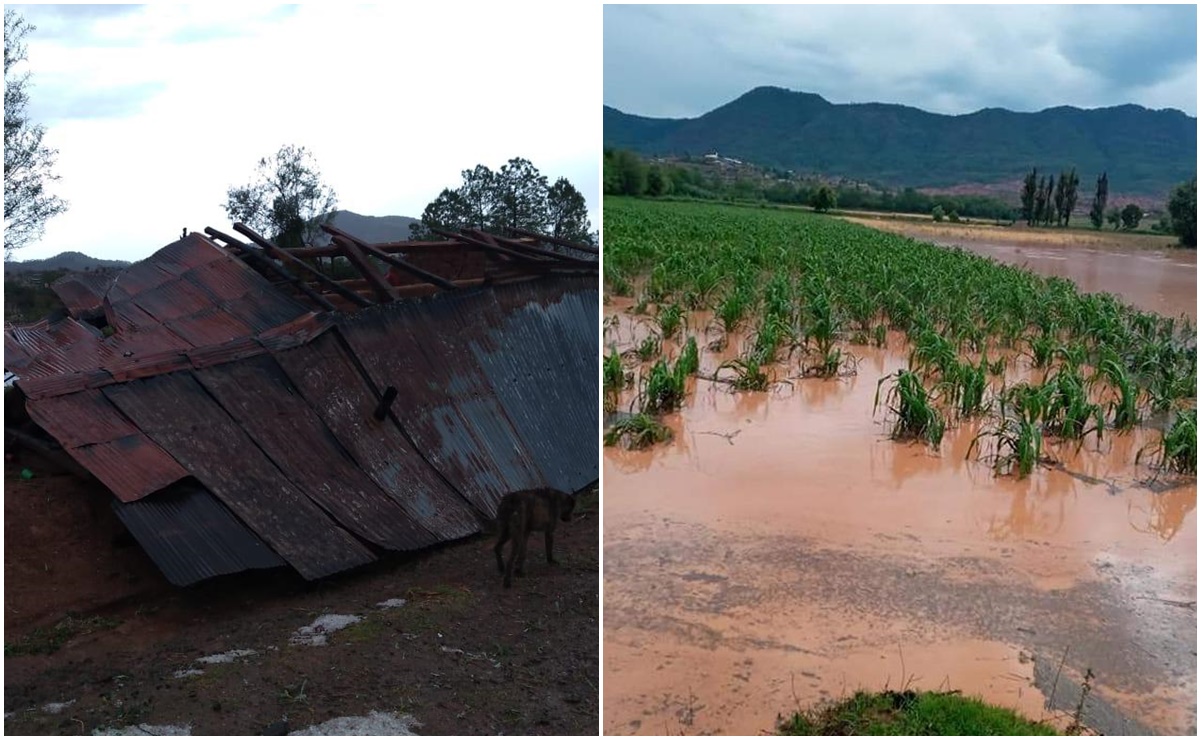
{"type": "Point", "coordinates": [781, 550]}
{"type": "Point", "coordinates": [461, 655]}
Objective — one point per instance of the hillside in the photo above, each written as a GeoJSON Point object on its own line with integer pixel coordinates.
{"type": "Point", "coordinates": [374, 229]}
{"type": "Point", "coordinates": [68, 261]}
{"type": "Point", "coordinates": [1146, 152]}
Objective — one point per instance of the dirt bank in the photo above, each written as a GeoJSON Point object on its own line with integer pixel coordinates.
{"type": "Point", "coordinates": [460, 654]}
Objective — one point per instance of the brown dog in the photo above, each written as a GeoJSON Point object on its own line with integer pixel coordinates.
{"type": "Point", "coordinates": [523, 512]}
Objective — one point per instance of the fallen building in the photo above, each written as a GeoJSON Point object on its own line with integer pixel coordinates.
{"type": "Point", "coordinates": [248, 410]}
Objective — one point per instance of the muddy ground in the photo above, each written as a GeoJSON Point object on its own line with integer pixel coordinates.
{"type": "Point", "coordinates": [94, 635]}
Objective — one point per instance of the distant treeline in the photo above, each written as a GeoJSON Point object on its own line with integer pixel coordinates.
{"type": "Point", "coordinates": [626, 173]}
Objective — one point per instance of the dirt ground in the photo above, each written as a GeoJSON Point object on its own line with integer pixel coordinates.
{"type": "Point", "coordinates": [95, 637]}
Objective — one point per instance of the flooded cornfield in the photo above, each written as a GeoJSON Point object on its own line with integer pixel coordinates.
{"type": "Point", "coordinates": [1145, 271]}
{"type": "Point", "coordinates": [787, 546]}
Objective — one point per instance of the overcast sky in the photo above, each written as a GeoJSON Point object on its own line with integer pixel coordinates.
{"type": "Point", "coordinates": [682, 61]}
{"type": "Point", "coordinates": [156, 111]}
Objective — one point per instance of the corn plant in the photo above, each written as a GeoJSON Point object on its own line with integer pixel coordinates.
{"type": "Point", "coordinates": [670, 318]}
{"type": "Point", "coordinates": [1176, 450]}
{"type": "Point", "coordinates": [636, 432]}
{"type": "Point", "coordinates": [912, 407]}
{"type": "Point", "coordinates": [748, 373]}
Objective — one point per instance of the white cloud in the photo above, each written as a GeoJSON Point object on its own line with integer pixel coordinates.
{"type": "Point", "coordinates": [677, 61]}
{"type": "Point", "coordinates": [393, 101]}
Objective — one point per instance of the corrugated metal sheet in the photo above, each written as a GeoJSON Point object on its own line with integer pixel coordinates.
{"type": "Point", "coordinates": [214, 375]}
{"type": "Point", "coordinates": [108, 445]}
{"type": "Point", "coordinates": [177, 413]}
{"type": "Point", "coordinates": [83, 292]}
{"type": "Point", "coordinates": [445, 403]}
{"type": "Point", "coordinates": [258, 396]}
{"type": "Point", "coordinates": [191, 536]}
{"type": "Point", "coordinates": [539, 356]}
{"type": "Point", "coordinates": [329, 380]}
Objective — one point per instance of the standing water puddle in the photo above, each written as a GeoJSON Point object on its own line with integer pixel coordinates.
{"type": "Point", "coordinates": [781, 550]}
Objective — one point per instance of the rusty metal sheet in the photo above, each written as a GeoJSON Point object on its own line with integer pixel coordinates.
{"type": "Point", "coordinates": [257, 394]}
{"type": "Point", "coordinates": [177, 413]}
{"type": "Point", "coordinates": [331, 383]}
{"type": "Point", "coordinates": [238, 289]}
{"type": "Point", "coordinates": [191, 536]}
{"type": "Point", "coordinates": [209, 326]}
{"type": "Point", "coordinates": [445, 402]}
{"type": "Point", "coordinates": [109, 446]}
{"type": "Point", "coordinates": [83, 292]}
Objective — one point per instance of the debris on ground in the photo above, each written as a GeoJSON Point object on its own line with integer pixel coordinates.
{"type": "Point", "coordinates": [317, 632]}
{"type": "Point", "coordinates": [146, 730]}
{"type": "Point", "coordinates": [375, 723]}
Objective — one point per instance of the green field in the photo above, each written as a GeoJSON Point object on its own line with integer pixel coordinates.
{"type": "Point", "coordinates": [807, 288]}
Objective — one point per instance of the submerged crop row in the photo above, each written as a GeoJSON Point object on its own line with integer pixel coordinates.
{"type": "Point", "coordinates": [793, 280]}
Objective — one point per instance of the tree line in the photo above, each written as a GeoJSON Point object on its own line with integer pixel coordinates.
{"type": "Point", "coordinates": [626, 173]}
{"type": "Point", "coordinates": [1047, 202]}
{"type": "Point", "coordinates": [288, 201]}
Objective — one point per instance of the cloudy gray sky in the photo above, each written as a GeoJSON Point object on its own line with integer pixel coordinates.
{"type": "Point", "coordinates": [682, 61]}
{"type": "Point", "coordinates": [157, 110]}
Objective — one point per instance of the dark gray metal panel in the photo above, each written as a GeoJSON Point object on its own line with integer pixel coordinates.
{"type": "Point", "coordinates": [181, 417]}
{"type": "Point", "coordinates": [258, 395]}
{"type": "Point", "coordinates": [445, 403]}
{"type": "Point", "coordinates": [191, 536]}
{"type": "Point", "coordinates": [503, 394]}
{"type": "Point", "coordinates": [332, 384]}
{"type": "Point", "coordinates": [542, 360]}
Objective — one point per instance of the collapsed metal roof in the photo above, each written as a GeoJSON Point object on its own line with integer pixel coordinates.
{"type": "Point", "coordinates": [247, 410]}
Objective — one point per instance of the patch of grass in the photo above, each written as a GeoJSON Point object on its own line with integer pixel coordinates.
{"type": "Point", "coordinates": [910, 713]}
{"type": "Point", "coordinates": [366, 630]}
{"type": "Point", "coordinates": [294, 694]}
{"type": "Point", "coordinates": [637, 432]}
{"type": "Point", "coordinates": [48, 640]}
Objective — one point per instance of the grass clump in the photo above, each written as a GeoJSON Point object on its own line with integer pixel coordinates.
{"type": "Point", "coordinates": [48, 640]}
{"type": "Point", "coordinates": [910, 713]}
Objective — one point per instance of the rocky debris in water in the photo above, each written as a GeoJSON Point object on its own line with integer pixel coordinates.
{"type": "Point", "coordinates": [145, 730]}
{"type": "Point", "coordinates": [375, 723]}
{"type": "Point", "coordinates": [391, 604]}
{"type": "Point", "coordinates": [55, 707]}
{"type": "Point", "coordinates": [317, 632]}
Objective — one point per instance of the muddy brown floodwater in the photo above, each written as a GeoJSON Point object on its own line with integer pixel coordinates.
{"type": "Point", "coordinates": [781, 550]}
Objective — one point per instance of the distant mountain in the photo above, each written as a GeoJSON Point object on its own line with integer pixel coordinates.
{"type": "Point", "coordinates": [1144, 151]}
{"type": "Point", "coordinates": [373, 229]}
{"type": "Point", "coordinates": [71, 261]}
